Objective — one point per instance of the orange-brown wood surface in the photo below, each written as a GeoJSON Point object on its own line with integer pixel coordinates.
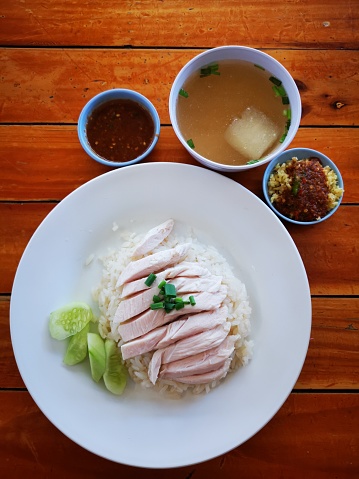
{"type": "Point", "coordinates": [55, 56]}
{"type": "Point", "coordinates": [185, 23]}
{"type": "Point", "coordinates": [53, 85]}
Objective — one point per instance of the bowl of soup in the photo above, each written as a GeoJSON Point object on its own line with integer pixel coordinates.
{"type": "Point", "coordinates": [118, 127]}
{"type": "Point", "coordinates": [234, 108]}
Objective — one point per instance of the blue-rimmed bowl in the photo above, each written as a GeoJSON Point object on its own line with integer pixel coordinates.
{"type": "Point", "coordinates": [300, 153]}
{"type": "Point", "coordinates": [108, 95]}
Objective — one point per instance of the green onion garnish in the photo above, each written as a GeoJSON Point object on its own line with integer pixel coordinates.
{"type": "Point", "coordinates": [288, 113]}
{"type": "Point", "coordinates": [170, 290]}
{"type": "Point", "coordinates": [183, 93]}
{"type": "Point", "coordinates": [157, 305]}
{"type": "Point", "coordinates": [282, 138]}
{"type": "Point", "coordinates": [209, 70]}
{"type": "Point", "coordinates": [285, 100]}
{"type": "Point", "coordinates": [259, 66]}
{"type": "Point", "coordinates": [190, 143]}
{"type": "Point", "coordinates": [167, 298]}
{"type": "Point", "coordinates": [275, 80]}
{"type": "Point", "coordinates": [149, 281]}
{"type": "Point", "coordinates": [179, 305]}
{"type": "Point", "coordinates": [296, 185]}
{"type": "Point", "coordinates": [192, 300]}
{"type": "Point", "coordinates": [251, 162]}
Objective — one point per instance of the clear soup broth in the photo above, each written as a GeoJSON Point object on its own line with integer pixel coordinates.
{"type": "Point", "coordinates": [233, 112]}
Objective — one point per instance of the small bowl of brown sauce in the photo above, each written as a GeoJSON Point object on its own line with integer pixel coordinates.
{"type": "Point", "coordinates": [303, 186]}
{"type": "Point", "coordinates": [118, 127]}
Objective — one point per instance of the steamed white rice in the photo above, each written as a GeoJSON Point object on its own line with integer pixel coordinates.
{"type": "Point", "coordinates": [107, 296]}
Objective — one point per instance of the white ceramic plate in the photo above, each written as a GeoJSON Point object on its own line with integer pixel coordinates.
{"type": "Point", "coordinates": [141, 428]}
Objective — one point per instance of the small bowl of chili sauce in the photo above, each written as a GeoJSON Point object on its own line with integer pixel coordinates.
{"type": "Point", "coordinates": [303, 186]}
{"type": "Point", "coordinates": [118, 127]}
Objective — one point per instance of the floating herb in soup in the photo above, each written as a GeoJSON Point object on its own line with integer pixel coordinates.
{"type": "Point", "coordinates": [234, 112]}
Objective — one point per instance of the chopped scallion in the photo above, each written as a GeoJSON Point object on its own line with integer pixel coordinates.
{"type": "Point", "coordinates": [162, 284]}
{"type": "Point", "coordinates": [190, 143]}
{"type": "Point", "coordinates": [209, 70]}
{"type": "Point", "coordinates": [259, 66]}
{"type": "Point", "coordinates": [285, 100]}
{"type": "Point", "coordinates": [183, 93]}
{"type": "Point", "coordinates": [192, 300]}
{"type": "Point", "coordinates": [275, 80]}
{"type": "Point", "coordinates": [179, 305]}
{"type": "Point", "coordinates": [170, 290]}
{"type": "Point", "coordinates": [156, 299]}
{"type": "Point", "coordinates": [251, 162]}
{"type": "Point", "coordinates": [159, 305]}
{"type": "Point", "coordinates": [150, 280]}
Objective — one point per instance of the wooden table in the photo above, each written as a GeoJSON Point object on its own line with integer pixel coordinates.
{"type": "Point", "coordinates": [55, 56]}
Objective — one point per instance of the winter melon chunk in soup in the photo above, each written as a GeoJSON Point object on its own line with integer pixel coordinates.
{"type": "Point", "coordinates": [233, 112]}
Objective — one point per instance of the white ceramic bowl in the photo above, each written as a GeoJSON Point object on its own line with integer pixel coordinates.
{"type": "Point", "coordinates": [253, 56]}
{"type": "Point", "coordinates": [108, 95]}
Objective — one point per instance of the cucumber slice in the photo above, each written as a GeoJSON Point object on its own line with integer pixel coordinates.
{"type": "Point", "coordinates": [69, 320]}
{"type": "Point", "coordinates": [77, 348]}
{"type": "Point", "coordinates": [97, 354]}
{"type": "Point", "coordinates": [115, 376]}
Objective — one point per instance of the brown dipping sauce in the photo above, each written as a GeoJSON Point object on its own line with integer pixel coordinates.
{"type": "Point", "coordinates": [308, 198]}
{"type": "Point", "coordinates": [120, 130]}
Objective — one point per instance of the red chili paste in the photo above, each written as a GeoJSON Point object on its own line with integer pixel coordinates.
{"type": "Point", "coordinates": [307, 200]}
{"type": "Point", "coordinates": [120, 130]}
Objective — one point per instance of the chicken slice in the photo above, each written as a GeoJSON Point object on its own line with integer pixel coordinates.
{"type": "Point", "coordinates": [168, 334]}
{"type": "Point", "coordinates": [184, 269]}
{"type": "Point", "coordinates": [205, 378]}
{"type": "Point", "coordinates": [151, 319]}
{"type": "Point", "coordinates": [133, 306]}
{"type": "Point", "coordinates": [152, 264]}
{"type": "Point", "coordinates": [211, 284]}
{"type": "Point", "coordinates": [146, 322]}
{"type": "Point", "coordinates": [200, 363]}
{"type": "Point", "coordinates": [187, 347]}
{"type": "Point", "coordinates": [149, 341]}
{"type": "Point", "coordinates": [153, 238]}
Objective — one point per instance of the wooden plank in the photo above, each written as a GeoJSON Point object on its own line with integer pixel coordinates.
{"type": "Point", "coordinates": [48, 162]}
{"type": "Point", "coordinates": [18, 223]}
{"type": "Point", "coordinates": [312, 436]}
{"type": "Point", "coordinates": [328, 249]}
{"type": "Point", "coordinates": [309, 24]}
{"type": "Point", "coordinates": [330, 253]}
{"type": "Point", "coordinates": [331, 362]}
{"type": "Point", "coordinates": [53, 85]}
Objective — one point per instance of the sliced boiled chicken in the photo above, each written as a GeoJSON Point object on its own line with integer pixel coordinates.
{"type": "Point", "coordinates": [136, 304]}
{"type": "Point", "coordinates": [205, 378]}
{"type": "Point", "coordinates": [152, 263]}
{"type": "Point", "coordinates": [152, 319]}
{"type": "Point", "coordinates": [187, 347]}
{"type": "Point", "coordinates": [166, 335]}
{"type": "Point", "coordinates": [184, 269]}
{"type": "Point", "coordinates": [154, 238]}
{"type": "Point", "coordinates": [200, 363]}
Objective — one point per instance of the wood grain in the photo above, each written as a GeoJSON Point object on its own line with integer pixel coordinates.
{"type": "Point", "coordinates": [332, 360]}
{"type": "Point", "coordinates": [53, 85]}
{"type": "Point", "coordinates": [308, 23]}
{"type": "Point", "coordinates": [41, 163]}
{"type": "Point", "coordinates": [319, 432]}
{"type": "Point", "coordinates": [330, 256]}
